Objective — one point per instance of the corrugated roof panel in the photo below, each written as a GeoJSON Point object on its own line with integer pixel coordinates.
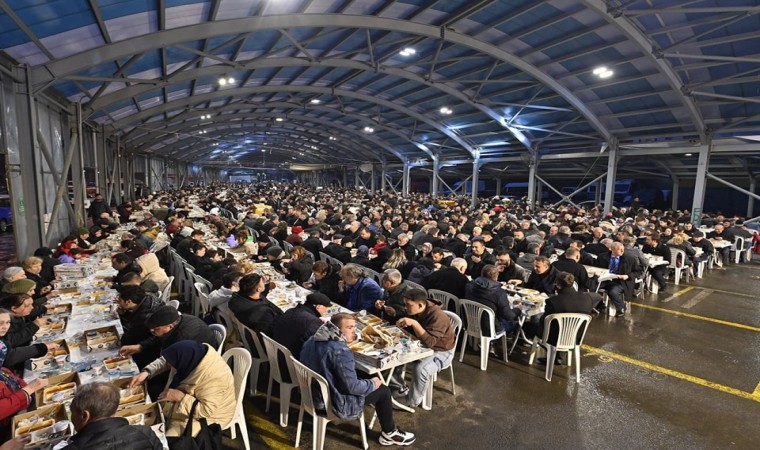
{"type": "Point", "coordinates": [73, 41]}
{"type": "Point", "coordinates": [185, 15]}
{"type": "Point", "coordinates": [138, 24]}
{"type": "Point", "coordinates": [11, 35]}
{"type": "Point", "coordinates": [50, 17]}
{"type": "Point", "coordinates": [111, 9]}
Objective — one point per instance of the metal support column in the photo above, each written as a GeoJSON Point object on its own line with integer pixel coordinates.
{"type": "Point", "coordinates": [78, 174]}
{"type": "Point", "coordinates": [700, 182]}
{"type": "Point", "coordinates": [357, 181]}
{"type": "Point", "coordinates": [434, 188]}
{"type": "Point", "coordinates": [405, 178]}
{"type": "Point", "coordinates": [475, 177]}
{"type": "Point", "coordinates": [498, 186]}
{"type": "Point", "coordinates": [674, 193]}
{"type": "Point", "coordinates": [373, 180]}
{"type": "Point", "coordinates": [612, 160]}
{"type": "Point", "coordinates": [532, 172]}
{"type": "Point", "coordinates": [751, 200]}
{"type": "Point", "coordinates": [598, 192]}
{"type": "Point", "coordinates": [382, 178]}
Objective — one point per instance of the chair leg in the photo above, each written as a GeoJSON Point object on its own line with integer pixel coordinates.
{"type": "Point", "coordinates": [269, 393]}
{"type": "Point", "coordinates": [363, 432]}
{"type": "Point", "coordinates": [570, 354]}
{"type": "Point", "coordinates": [244, 433]}
{"type": "Point", "coordinates": [551, 355]}
{"type": "Point", "coordinates": [320, 430]}
{"type": "Point", "coordinates": [505, 347]}
{"type": "Point", "coordinates": [299, 426]}
{"type": "Point", "coordinates": [453, 385]}
{"type": "Point", "coordinates": [577, 364]}
{"type": "Point", "coordinates": [427, 400]}
{"type": "Point", "coordinates": [253, 378]}
{"type": "Point", "coordinates": [464, 344]}
{"type": "Point", "coordinates": [485, 347]}
{"type": "Point", "coordinates": [285, 392]}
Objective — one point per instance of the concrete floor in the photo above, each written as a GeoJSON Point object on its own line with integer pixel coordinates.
{"type": "Point", "coordinates": [656, 379]}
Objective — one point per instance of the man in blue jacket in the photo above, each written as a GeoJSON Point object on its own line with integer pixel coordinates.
{"type": "Point", "coordinates": [327, 353]}
{"type": "Point", "coordinates": [358, 291]}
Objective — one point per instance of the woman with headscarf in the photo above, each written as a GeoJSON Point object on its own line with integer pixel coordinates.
{"type": "Point", "coordinates": [15, 394]}
{"type": "Point", "coordinates": [26, 318]}
{"type": "Point", "coordinates": [200, 374]}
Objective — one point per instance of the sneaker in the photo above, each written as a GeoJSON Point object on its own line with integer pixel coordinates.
{"type": "Point", "coordinates": [620, 313]}
{"type": "Point", "coordinates": [396, 437]}
{"type": "Point", "coordinates": [401, 392]}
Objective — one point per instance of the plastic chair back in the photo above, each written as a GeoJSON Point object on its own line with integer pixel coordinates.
{"type": "Point", "coordinates": [221, 335]}
{"type": "Point", "coordinates": [369, 273]}
{"type": "Point", "coordinates": [324, 257]}
{"type": "Point", "coordinates": [287, 246]}
{"type": "Point", "coordinates": [446, 299]}
{"type": "Point", "coordinates": [241, 360]}
{"type": "Point", "coordinates": [252, 343]}
{"type": "Point", "coordinates": [569, 325]}
{"type": "Point", "coordinates": [174, 304]}
{"type": "Point", "coordinates": [274, 349]}
{"type": "Point", "coordinates": [456, 323]}
{"type": "Point", "coordinates": [203, 303]}
{"type": "Point", "coordinates": [167, 292]}
{"type": "Point", "coordinates": [473, 311]}
{"type": "Point", "coordinates": [309, 380]}
{"type": "Point", "coordinates": [677, 254]}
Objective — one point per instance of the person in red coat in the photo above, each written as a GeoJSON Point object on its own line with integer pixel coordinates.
{"type": "Point", "coordinates": [15, 394]}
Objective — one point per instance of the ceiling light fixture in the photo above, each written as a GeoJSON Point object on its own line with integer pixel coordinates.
{"type": "Point", "coordinates": [688, 154]}
{"type": "Point", "coordinates": [369, 130]}
{"type": "Point", "coordinates": [408, 51]}
{"type": "Point", "coordinates": [279, 119]}
{"type": "Point", "coordinates": [333, 138]}
{"type": "Point", "coordinates": [445, 111]}
{"type": "Point", "coordinates": [603, 72]}
{"type": "Point", "coordinates": [222, 81]}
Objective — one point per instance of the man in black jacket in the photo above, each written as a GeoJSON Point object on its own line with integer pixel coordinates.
{"type": "Point", "coordinates": [477, 258]}
{"type": "Point", "coordinates": [134, 309]}
{"type": "Point", "coordinates": [569, 263]}
{"type": "Point", "coordinates": [654, 246]}
{"type": "Point", "coordinates": [251, 307]}
{"type": "Point", "coordinates": [92, 413]}
{"type": "Point", "coordinates": [543, 276]}
{"type": "Point", "coordinates": [313, 244]}
{"type": "Point", "coordinates": [326, 278]}
{"type": "Point", "coordinates": [567, 300]}
{"type": "Point", "coordinates": [449, 279]}
{"type": "Point", "coordinates": [487, 290]}
{"type": "Point", "coordinates": [298, 324]}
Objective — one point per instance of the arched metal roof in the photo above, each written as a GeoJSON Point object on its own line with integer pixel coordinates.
{"type": "Point", "coordinates": [518, 76]}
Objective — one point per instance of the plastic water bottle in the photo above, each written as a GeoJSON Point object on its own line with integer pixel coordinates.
{"type": "Point", "coordinates": [404, 345]}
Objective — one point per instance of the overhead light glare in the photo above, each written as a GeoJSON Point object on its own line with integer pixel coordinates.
{"type": "Point", "coordinates": [333, 138]}
{"type": "Point", "coordinates": [222, 81]}
{"type": "Point", "coordinates": [408, 51]}
{"type": "Point", "coordinates": [599, 70]}
{"type": "Point", "coordinates": [369, 130]}
{"type": "Point", "coordinates": [315, 101]}
{"type": "Point", "coordinates": [279, 119]}
{"type": "Point", "coordinates": [446, 111]}
{"type": "Point", "coordinates": [230, 80]}
{"type": "Point", "coordinates": [689, 154]}
{"type": "Point", "coordinates": [606, 74]}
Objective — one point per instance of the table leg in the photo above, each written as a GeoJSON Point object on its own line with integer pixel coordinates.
{"type": "Point", "coordinates": [519, 335]}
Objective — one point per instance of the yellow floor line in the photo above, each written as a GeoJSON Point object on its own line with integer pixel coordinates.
{"type": "Point", "coordinates": [677, 294]}
{"type": "Point", "coordinates": [675, 374]}
{"type": "Point", "coordinates": [694, 316]}
{"type": "Point", "coordinates": [756, 394]}
{"type": "Point", "coordinates": [270, 432]}
{"type": "Point", "coordinates": [741, 294]}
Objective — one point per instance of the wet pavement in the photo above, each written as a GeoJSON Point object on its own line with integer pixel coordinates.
{"type": "Point", "coordinates": [681, 371]}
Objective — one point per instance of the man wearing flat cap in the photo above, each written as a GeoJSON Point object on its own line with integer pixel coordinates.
{"type": "Point", "coordinates": [298, 324]}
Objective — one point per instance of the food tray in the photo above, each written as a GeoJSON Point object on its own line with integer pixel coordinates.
{"type": "Point", "coordinates": [51, 359]}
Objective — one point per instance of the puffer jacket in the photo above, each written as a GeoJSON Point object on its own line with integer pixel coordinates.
{"type": "Point", "coordinates": [327, 354]}
{"type": "Point", "coordinates": [213, 385]}
{"type": "Point", "coordinates": [362, 295]}
{"type": "Point", "coordinates": [488, 292]}
{"type": "Point", "coordinates": [152, 271]}
{"type": "Point", "coordinates": [114, 433]}
{"type": "Point", "coordinates": [135, 330]}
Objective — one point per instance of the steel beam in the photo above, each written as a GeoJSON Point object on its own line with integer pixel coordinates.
{"type": "Point", "coordinates": [700, 183]}
{"type": "Point", "coordinates": [72, 64]}
{"type": "Point", "coordinates": [532, 174]}
{"type": "Point", "coordinates": [612, 163]}
{"type": "Point", "coordinates": [751, 200]}
{"type": "Point", "coordinates": [733, 186]}
{"type": "Point", "coordinates": [405, 178]}
{"type": "Point", "coordinates": [434, 188]}
{"type": "Point", "coordinates": [547, 184]}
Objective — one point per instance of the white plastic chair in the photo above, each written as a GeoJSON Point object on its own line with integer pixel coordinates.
{"type": "Point", "coordinates": [427, 401]}
{"type": "Point", "coordinates": [288, 247]}
{"type": "Point", "coordinates": [738, 248]}
{"type": "Point", "coordinates": [174, 304]}
{"type": "Point", "coordinates": [224, 317]}
{"type": "Point", "coordinates": [284, 376]}
{"type": "Point", "coordinates": [308, 380]}
{"type": "Point", "coordinates": [324, 257]}
{"type": "Point", "coordinates": [252, 342]}
{"type": "Point", "coordinates": [568, 340]}
{"type": "Point", "coordinates": [241, 361]}
{"type": "Point", "coordinates": [473, 311]}
{"type": "Point", "coordinates": [166, 294]}
{"type": "Point", "coordinates": [221, 335]}
{"type": "Point", "coordinates": [445, 298]}
{"type": "Point", "coordinates": [202, 305]}
{"type": "Point", "coordinates": [675, 254]}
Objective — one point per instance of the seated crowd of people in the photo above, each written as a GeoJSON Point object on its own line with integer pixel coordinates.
{"type": "Point", "coordinates": [330, 241]}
